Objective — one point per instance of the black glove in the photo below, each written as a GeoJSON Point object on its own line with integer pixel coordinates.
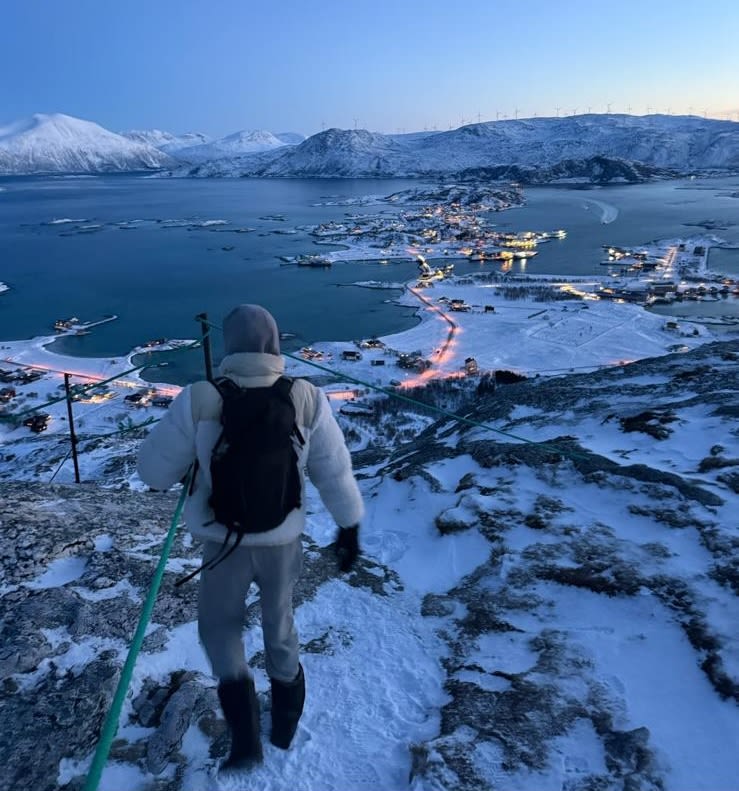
{"type": "Point", "coordinates": [347, 547]}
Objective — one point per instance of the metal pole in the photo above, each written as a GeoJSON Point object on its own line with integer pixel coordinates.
{"type": "Point", "coordinates": [207, 352]}
{"type": "Point", "coordinates": [72, 435]}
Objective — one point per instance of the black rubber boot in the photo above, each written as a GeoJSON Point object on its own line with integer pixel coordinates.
{"type": "Point", "coordinates": [241, 709]}
{"type": "Point", "coordinates": [287, 706]}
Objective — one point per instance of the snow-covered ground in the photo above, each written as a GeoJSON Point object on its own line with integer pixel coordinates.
{"type": "Point", "coordinates": [513, 624]}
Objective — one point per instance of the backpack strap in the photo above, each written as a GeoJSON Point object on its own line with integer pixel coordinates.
{"type": "Point", "coordinates": [283, 386]}
{"type": "Point", "coordinates": [225, 386]}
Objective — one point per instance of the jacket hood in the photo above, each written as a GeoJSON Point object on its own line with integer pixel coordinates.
{"type": "Point", "coordinates": [252, 369]}
{"type": "Point", "coordinates": [250, 328]}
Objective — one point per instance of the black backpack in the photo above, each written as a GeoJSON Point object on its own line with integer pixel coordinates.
{"type": "Point", "coordinates": [254, 463]}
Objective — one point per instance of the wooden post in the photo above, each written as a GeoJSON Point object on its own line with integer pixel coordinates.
{"type": "Point", "coordinates": [207, 351]}
{"type": "Point", "coordinates": [72, 435]}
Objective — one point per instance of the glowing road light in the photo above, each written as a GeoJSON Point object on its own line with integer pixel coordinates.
{"type": "Point", "coordinates": [446, 353]}
{"type": "Point", "coordinates": [172, 390]}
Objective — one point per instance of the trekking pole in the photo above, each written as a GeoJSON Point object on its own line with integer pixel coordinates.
{"type": "Point", "coordinates": [72, 435]}
{"type": "Point", "coordinates": [207, 352]}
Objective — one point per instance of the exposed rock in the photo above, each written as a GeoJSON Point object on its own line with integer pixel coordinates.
{"type": "Point", "coordinates": [175, 720]}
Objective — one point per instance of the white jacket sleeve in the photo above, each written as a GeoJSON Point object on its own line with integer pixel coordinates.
{"type": "Point", "coordinates": [329, 467]}
{"type": "Point", "coordinates": [169, 449]}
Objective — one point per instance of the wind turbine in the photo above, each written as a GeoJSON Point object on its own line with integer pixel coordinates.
{"type": "Point", "coordinates": [516, 113]}
{"type": "Point", "coordinates": [574, 110]}
{"type": "Point", "coordinates": [558, 109]}
{"type": "Point", "coordinates": [608, 108]}
{"type": "Point", "coordinates": [478, 118]}
{"type": "Point", "coordinates": [497, 114]}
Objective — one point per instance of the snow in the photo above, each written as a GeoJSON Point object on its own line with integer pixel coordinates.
{"type": "Point", "coordinates": [60, 572]}
{"type": "Point", "coordinates": [412, 546]}
{"type": "Point", "coordinates": [685, 719]}
{"type": "Point", "coordinates": [166, 141]}
{"type": "Point", "coordinates": [61, 143]}
{"type": "Point", "coordinates": [233, 145]}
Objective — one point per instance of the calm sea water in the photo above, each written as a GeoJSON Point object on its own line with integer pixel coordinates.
{"type": "Point", "coordinates": [156, 279]}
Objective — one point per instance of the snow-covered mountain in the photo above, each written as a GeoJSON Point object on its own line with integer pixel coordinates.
{"type": "Point", "coordinates": [166, 141]}
{"type": "Point", "coordinates": [58, 143]}
{"type": "Point", "coordinates": [233, 145]}
{"type": "Point", "coordinates": [343, 152]}
{"type": "Point", "coordinates": [682, 143]}
{"type": "Point", "coordinates": [290, 138]}
{"type": "Point", "coordinates": [543, 149]}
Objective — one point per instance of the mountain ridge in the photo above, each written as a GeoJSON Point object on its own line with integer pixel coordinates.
{"type": "Point", "coordinates": [667, 144]}
{"type": "Point", "coordinates": [543, 148]}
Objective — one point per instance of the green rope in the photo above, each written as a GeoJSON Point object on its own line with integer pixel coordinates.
{"type": "Point", "coordinates": [148, 422]}
{"type": "Point", "coordinates": [110, 726]}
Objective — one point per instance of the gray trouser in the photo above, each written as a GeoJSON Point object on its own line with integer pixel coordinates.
{"type": "Point", "coordinates": [221, 608]}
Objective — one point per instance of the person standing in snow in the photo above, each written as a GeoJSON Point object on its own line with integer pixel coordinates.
{"type": "Point", "coordinates": [272, 559]}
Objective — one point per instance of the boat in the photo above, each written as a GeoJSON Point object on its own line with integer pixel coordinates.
{"type": "Point", "coordinates": [314, 262]}
{"type": "Point", "coordinates": [525, 253]}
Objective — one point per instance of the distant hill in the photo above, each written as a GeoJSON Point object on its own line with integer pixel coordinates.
{"type": "Point", "coordinates": [544, 149]}
{"type": "Point", "coordinates": [166, 141]}
{"type": "Point", "coordinates": [234, 145]}
{"type": "Point", "coordinates": [58, 143]}
{"type": "Point", "coordinates": [337, 152]}
{"type": "Point", "coordinates": [290, 138]}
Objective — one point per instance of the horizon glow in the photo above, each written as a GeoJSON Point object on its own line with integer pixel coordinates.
{"type": "Point", "coordinates": [387, 67]}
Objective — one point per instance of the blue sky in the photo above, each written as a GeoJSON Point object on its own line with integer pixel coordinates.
{"type": "Point", "coordinates": [223, 65]}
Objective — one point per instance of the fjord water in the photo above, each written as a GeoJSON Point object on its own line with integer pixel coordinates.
{"type": "Point", "coordinates": [156, 278]}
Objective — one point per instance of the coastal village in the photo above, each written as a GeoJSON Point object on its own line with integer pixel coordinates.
{"type": "Point", "coordinates": [458, 222]}
{"type": "Point", "coordinates": [493, 323]}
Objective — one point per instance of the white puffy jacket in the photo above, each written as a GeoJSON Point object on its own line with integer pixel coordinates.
{"type": "Point", "coordinates": [191, 427]}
